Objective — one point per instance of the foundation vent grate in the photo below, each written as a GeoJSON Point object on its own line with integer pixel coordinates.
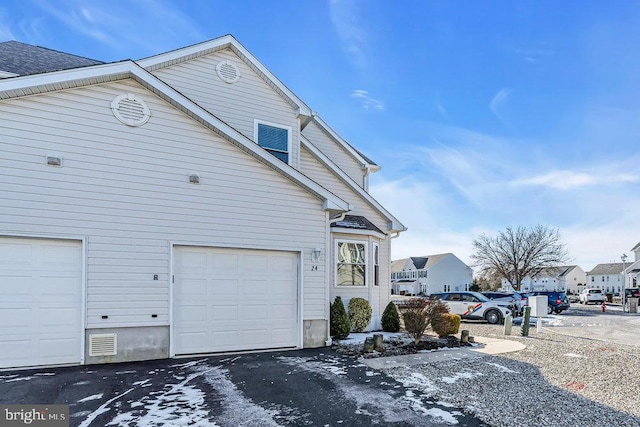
{"type": "Point", "coordinates": [103, 344]}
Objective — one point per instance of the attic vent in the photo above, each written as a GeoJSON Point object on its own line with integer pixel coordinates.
{"type": "Point", "coordinates": [228, 72]}
{"type": "Point", "coordinates": [130, 109]}
{"type": "Point", "coordinates": [103, 344]}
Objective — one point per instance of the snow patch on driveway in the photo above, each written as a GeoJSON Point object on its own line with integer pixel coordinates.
{"type": "Point", "coordinates": [377, 403]}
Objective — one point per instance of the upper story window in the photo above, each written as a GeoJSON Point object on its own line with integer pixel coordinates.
{"type": "Point", "coordinates": [351, 263]}
{"type": "Point", "coordinates": [274, 138]}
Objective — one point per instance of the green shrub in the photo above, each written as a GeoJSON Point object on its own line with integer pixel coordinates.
{"type": "Point", "coordinates": [435, 309]}
{"type": "Point", "coordinates": [339, 324]}
{"type": "Point", "coordinates": [359, 314]}
{"type": "Point", "coordinates": [390, 318]}
{"type": "Point", "coordinates": [445, 324]}
{"type": "Point", "coordinates": [415, 318]}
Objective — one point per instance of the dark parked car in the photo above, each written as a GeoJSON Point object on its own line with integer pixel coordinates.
{"type": "Point", "coordinates": [557, 301]}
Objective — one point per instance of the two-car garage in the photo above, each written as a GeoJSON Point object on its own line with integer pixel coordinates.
{"type": "Point", "coordinates": [222, 300]}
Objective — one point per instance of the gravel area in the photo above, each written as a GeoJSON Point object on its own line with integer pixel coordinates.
{"type": "Point", "coordinates": [557, 380]}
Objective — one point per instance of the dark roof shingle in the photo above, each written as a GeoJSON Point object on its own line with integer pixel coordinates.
{"type": "Point", "coordinates": [24, 59]}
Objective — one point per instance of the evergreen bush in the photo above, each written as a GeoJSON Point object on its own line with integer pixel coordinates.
{"type": "Point", "coordinates": [390, 318]}
{"type": "Point", "coordinates": [359, 311]}
{"type": "Point", "coordinates": [339, 324]}
{"type": "Point", "coordinates": [445, 324]}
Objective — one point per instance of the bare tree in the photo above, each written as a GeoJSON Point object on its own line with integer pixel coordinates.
{"type": "Point", "coordinates": [518, 253]}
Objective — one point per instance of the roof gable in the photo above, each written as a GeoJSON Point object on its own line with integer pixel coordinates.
{"type": "Point", "coordinates": [25, 59]}
{"type": "Point", "coordinates": [226, 42]}
{"type": "Point", "coordinates": [36, 84]}
{"type": "Point", "coordinates": [607, 268]}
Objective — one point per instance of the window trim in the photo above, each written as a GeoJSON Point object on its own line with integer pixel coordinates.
{"type": "Point", "coordinates": [366, 263]}
{"type": "Point", "coordinates": [376, 264]}
{"type": "Point", "coordinates": [289, 129]}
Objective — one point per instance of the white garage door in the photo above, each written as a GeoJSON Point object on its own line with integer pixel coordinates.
{"type": "Point", "coordinates": [231, 299]}
{"type": "Point", "coordinates": [40, 303]}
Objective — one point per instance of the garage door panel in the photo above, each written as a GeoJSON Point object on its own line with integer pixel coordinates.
{"type": "Point", "coordinates": [224, 263]}
{"type": "Point", "coordinates": [12, 286]}
{"type": "Point", "coordinates": [223, 287]}
{"type": "Point", "coordinates": [57, 256]}
{"type": "Point", "coordinates": [255, 312]}
{"type": "Point", "coordinates": [58, 316]}
{"type": "Point", "coordinates": [283, 311]}
{"type": "Point", "coordinates": [256, 264]}
{"type": "Point", "coordinates": [14, 352]}
{"type": "Point", "coordinates": [16, 254]}
{"type": "Point", "coordinates": [224, 313]}
{"type": "Point", "coordinates": [40, 311]}
{"type": "Point", "coordinates": [256, 288]}
{"type": "Point", "coordinates": [246, 301]}
{"type": "Point", "coordinates": [191, 313]}
{"type": "Point", "coordinates": [57, 348]}
{"type": "Point", "coordinates": [193, 286]}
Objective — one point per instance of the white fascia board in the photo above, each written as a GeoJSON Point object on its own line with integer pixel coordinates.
{"type": "Point", "coordinates": [205, 48]}
{"type": "Point", "coordinates": [394, 224]}
{"type": "Point", "coordinates": [83, 76]}
{"type": "Point", "coordinates": [129, 69]}
{"type": "Point", "coordinates": [365, 164]}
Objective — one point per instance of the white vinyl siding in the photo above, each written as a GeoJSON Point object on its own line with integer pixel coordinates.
{"type": "Point", "coordinates": [237, 104]}
{"type": "Point", "coordinates": [341, 157]}
{"type": "Point", "coordinates": [126, 189]}
{"type": "Point", "coordinates": [359, 206]}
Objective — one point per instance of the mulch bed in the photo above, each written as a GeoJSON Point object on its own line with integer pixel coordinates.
{"type": "Point", "coordinates": [399, 346]}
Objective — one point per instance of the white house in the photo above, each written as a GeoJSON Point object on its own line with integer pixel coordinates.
{"type": "Point", "coordinates": [632, 270]}
{"type": "Point", "coordinates": [430, 273]}
{"type": "Point", "coordinates": [185, 203]}
{"type": "Point", "coordinates": [568, 278]}
{"type": "Point", "coordinates": [607, 277]}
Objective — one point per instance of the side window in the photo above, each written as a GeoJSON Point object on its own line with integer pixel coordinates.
{"type": "Point", "coordinates": [376, 264]}
{"type": "Point", "coordinates": [351, 263]}
{"type": "Point", "coordinates": [273, 138]}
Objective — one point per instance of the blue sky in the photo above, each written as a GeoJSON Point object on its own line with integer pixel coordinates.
{"type": "Point", "coordinates": [481, 114]}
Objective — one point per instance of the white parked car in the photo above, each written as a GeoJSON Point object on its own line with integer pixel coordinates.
{"type": "Point", "coordinates": [590, 295]}
{"type": "Point", "coordinates": [474, 306]}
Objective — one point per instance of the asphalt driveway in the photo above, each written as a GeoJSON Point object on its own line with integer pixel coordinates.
{"type": "Point", "coordinates": [295, 388]}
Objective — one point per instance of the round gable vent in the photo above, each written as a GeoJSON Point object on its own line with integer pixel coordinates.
{"type": "Point", "coordinates": [228, 71]}
{"type": "Point", "coordinates": [130, 109]}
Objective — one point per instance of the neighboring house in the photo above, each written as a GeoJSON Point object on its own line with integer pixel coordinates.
{"type": "Point", "coordinates": [607, 277]}
{"type": "Point", "coordinates": [568, 278]}
{"type": "Point", "coordinates": [430, 273]}
{"type": "Point", "coordinates": [632, 269]}
{"type": "Point", "coordinates": [185, 203]}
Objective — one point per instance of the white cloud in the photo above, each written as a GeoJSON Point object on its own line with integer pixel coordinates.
{"type": "Point", "coordinates": [569, 180]}
{"type": "Point", "coordinates": [367, 102]}
{"type": "Point", "coordinates": [345, 17]}
{"type": "Point", "coordinates": [498, 104]}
